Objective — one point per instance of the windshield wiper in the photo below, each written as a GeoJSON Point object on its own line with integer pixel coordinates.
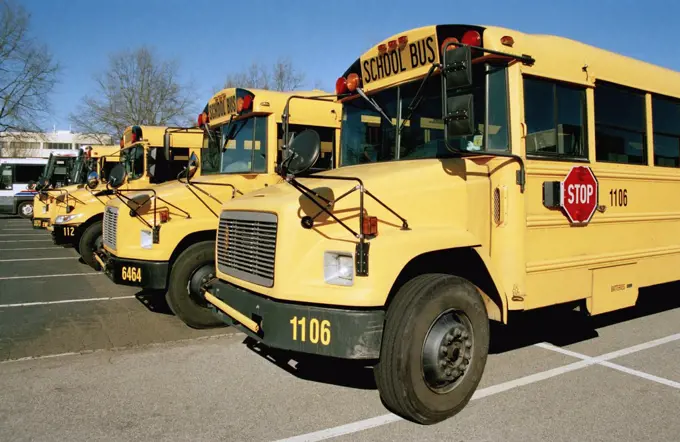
{"type": "Point", "coordinates": [417, 98]}
{"type": "Point", "coordinates": [375, 105]}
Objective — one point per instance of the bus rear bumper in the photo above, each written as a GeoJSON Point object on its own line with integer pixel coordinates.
{"type": "Point", "coordinates": [325, 331]}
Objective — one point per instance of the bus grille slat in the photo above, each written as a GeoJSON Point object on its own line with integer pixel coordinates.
{"type": "Point", "coordinates": [246, 246]}
{"type": "Point", "coordinates": [109, 227]}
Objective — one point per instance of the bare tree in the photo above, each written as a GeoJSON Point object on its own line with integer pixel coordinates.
{"type": "Point", "coordinates": [27, 72]}
{"type": "Point", "coordinates": [137, 88]}
{"type": "Point", "coordinates": [281, 76]}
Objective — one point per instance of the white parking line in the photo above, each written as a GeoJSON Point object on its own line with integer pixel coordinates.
{"type": "Point", "coordinates": [38, 259]}
{"type": "Point", "coordinates": [64, 301]}
{"type": "Point", "coordinates": [3, 278]}
{"type": "Point", "coordinates": [22, 234]}
{"type": "Point", "coordinates": [27, 240]}
{"type": "Point", "coordinates": [385, 419]}
{"type": "Point", "coordinates": [612, 365]}
{"type": "Point", "coordinates": [32, 248]}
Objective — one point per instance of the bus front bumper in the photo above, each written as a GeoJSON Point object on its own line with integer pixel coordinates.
{"type": "Point", "coordinates": [64, 234]}
{"type": "Point", "coordinates": [41, 223]}
{"type": "Point", "coordinates": [152, 275]}
{"type": "Point", "coordinates": [326, 331]}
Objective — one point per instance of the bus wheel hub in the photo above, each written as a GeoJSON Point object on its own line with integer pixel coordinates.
{"type": "Point", "coordinates": [200, 277]}
{"type": "Point", "coordinates": [447, 352]}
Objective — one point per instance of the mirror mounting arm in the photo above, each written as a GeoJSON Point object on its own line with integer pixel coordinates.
{"type": "Point", "coordinates": [362, 247]}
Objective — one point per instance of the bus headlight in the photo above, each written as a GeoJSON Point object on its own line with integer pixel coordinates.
{"type": "Point", "coordinates": [338, 268]}
{"type": "Point", "coordinates": [146, 239]}
{"type": "Point", "coordinates": [61, 219]}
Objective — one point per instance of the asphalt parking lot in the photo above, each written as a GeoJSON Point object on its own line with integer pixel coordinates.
{"type": "Point", "coordinates": [83, 359]}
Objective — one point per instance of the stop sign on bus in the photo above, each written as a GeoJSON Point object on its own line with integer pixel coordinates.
{"type": "Point", "coordinates": [579, 194]}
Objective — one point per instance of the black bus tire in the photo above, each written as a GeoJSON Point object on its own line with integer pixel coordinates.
{"type": "Point", "coordinates": [434, 348]}
{"type": "Point", "coordinates": [25, 209]}
{"type": "Point", "coordinates": [89, 241]}
{"type": "Point", "coordinates": [193, 267]}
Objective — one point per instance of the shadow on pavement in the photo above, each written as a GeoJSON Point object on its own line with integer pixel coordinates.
{"type": "Point", "coordinates": [568, 324]}
{"type": "Point", "coordinates": [353, 374]}
{"type": "Point", "coordinates": [558, 325]}
{"type": "Point", "coordinates": [154, 301]}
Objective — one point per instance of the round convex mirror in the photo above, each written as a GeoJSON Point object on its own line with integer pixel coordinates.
{"type": "Point", "coordinates": [117, 176]}
{"type": "Point", "coordinates": [92, 179]}
{"type": "Point", "coordinates": [303, 152]}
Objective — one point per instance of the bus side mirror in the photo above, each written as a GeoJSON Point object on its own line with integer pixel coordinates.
{"type": "Point", "coordinates": [92, 180]}
{"type": "Point", "coordinates": [459, 116]}
{"type": "Point", "coordinates": [117, 176]}
{"type": "Point", "coordinates": [458, 101]}
{"type": "Point", "coordinates": [457, 67]}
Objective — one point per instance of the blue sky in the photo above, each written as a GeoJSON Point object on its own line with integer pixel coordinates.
{"type": "Point", "coordinates": [323, 37]}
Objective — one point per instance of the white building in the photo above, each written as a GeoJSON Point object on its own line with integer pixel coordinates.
{"type": "Point", "coordinates": [41, 144]}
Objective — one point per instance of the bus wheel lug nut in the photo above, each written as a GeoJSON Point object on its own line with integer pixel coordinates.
{"type": "Point", "coordinates": [449, 338]}
{"type": "Point", "coordinates": [468, 344]}
{"type": "Point", "coordinates": [456, 333]}
{"type": "Point", "coordinates": [448, 372]}
{"type": "Point", "coordinates": [443, 350]}
{"type": "Point", "coordinates": [442, 364]}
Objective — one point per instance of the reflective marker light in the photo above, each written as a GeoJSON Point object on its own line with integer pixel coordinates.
{"type": "Point", "coordinates": [446, 42]}
{"type": "Point", "coordinates": [471, 38]}
{"type": "Point", "coordinates": [403, 40]}
{"type": "Point", "coordinates": [164, 215]}
{"type": "Point", "coordinates": [370, 226]}
{"type": "Point", "coordinates": [202, 119]}
{"type": "Point", "coordinates": [341, 86]}
{"type": "Point", "coordinates": [507, 40]}
{"type": "Point", "coordinates": [392, 44]}
{"type": "Point", "coordinates": [382, 48]}
{"type": "Point", "coordinates": [352, 82]}
{"type": "Point", "coordinates": [247, 102]}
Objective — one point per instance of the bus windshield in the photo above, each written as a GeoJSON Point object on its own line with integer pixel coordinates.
{"type": "Point", "coordinates": [237, 147]}
{"type": "Point", "coordinates": [133, 160]}
{"type": "Point", "coordinates": [77, 170]}
{"type": "Point", "coordinates": [367, 137]}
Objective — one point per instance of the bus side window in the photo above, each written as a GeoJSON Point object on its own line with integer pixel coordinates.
{"type": "Point", "coordinates": [620, 124]}
{"type": "Point", "coordinates": [6, 176]}
{"type": "Point", "coordinates": [555, 115]}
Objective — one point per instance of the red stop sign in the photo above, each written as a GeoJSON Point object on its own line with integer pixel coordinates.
{"type": "Point", "coordinates": [579, 194]}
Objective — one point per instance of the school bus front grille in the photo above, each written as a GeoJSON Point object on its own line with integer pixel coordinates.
{"type": "Point", "coordinates": [246, 246]}
{"type": "Point", "coordinates": [109, 227]}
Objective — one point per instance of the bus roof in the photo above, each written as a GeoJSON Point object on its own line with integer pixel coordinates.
{"type": "Point", "coordinates": [228, 102]}
{"type": "Point", "coordinates": [555, 57]}
{"type": "Point", "coordinates": [155, 135]}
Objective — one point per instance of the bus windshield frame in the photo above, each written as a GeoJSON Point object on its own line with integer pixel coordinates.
{"type": "Point", "coordinates": [237, 147]}
{"type": "Point", "coordinates": [366, 137]}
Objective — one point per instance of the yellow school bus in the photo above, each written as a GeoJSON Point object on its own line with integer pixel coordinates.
{"type": "Point", "coordinates": [150, 155]}
{"type": "Point", "coordinates": [492, 171]}
{"type": "Point", "coordinates": [171, 247]}
{"type": "Point", "coordinates": [91, 158]}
